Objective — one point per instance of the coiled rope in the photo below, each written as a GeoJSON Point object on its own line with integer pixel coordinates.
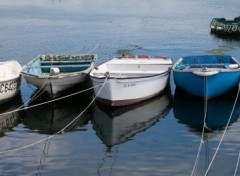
{"type": "Point", "coordinates": [60, 131]}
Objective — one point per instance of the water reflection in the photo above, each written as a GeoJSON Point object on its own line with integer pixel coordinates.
{"type": "Point", "coordinates": [226, 37]}
{"type": "Point", "coordinates": [52, 117]}
{"type": "Point", "coordinates": [8, 121]}
{"type": "Point", "coordinates": [190, 111]}
{"type": "Point", "coordinates": [117, 125]}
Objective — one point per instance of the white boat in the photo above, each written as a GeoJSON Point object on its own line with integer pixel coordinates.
{"type": "Point", "coordinates": [130, 79]}
{"type": "Point", "coordinates": [10, 80]}
{"type": "Point", "coordinates": [57, 73]}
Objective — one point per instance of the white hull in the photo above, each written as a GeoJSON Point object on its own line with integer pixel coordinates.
{"type": "Point", "coordinates": [129, 81]}
{"type": "Point", "coordinates": [119, 92]}
{"type": "Point", "coordinates": [10, 80]}
{"type": "Point", "coordinates": [8, 89]}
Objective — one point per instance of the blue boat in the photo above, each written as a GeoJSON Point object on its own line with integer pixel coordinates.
{"type": "Point", "coordinates": [206, 76]}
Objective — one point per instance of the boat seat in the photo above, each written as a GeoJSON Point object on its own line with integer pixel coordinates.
{"type": "Point", "coordinates": [64, 62]}
{"type": "Point", "coordinates": [62, 68]}
{"type": "Point", "coordinates": [233, 66]}
{"type": "Point", "coordinates": [207, 65]}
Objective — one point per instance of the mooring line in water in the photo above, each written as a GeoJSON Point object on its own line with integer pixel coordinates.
{"type": "Point", "coordinates": [20, 108]}
{"type": "Point", "coordinates": [60, 131]}
{"type": "Point", "coordinates": [236, 169]}
{"type": "Point", "coordinates": [204, 125]}
{"type": "Point", "coordinates": [43, 158]}
{"type": "Point", "coordinates": [96, 47]}
{"type": "Point", "coordinates": [46, 102]}
{"type": "Point", "coordinates": [224, 132]}
{"type": "Point", "coordinates": [38, 93]}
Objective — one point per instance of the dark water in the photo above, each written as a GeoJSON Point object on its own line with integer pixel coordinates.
{"type": "Point", "coordinates": [158, 137]}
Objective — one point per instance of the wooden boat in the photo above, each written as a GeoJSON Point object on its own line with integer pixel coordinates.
{"type": "Point", "coordinates": [10, 80]}
{"type": "Point", "coordinates": [225, 26]}
{"type": "Point", "coordinates": [57, 73]}
{"type": "Point", "coordinates": [130, 79]}
{"type": "Point", "coordinates": [206, 76]}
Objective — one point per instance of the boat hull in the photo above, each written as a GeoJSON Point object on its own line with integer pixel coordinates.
{"type": "Point", "coordinates": [206, 86]}
{"type": "Point", "coordinates": [206, 76]}
{"type": "Point", "coordinates": [222, 26]}
{"type": "Point", "coordinates": [10, 80]}
{"type": "Point", "coordinates": [126, 91]}
{"type": "Point", "coordinates": [9, 88]}
{"type": "Point", "coordinates": [55, 86]}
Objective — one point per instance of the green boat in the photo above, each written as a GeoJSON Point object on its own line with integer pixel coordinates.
{"type": "Point", "coordinates": [225, 26]}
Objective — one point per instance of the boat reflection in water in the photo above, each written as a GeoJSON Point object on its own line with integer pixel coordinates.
{"type": "Point", "coordinates": [190, 111]}
{"type": "Point", "coordinates": [52, 117]}
{"type": "Point", "coordinates": [116, 125]}
{"type": "Point", "coordinates": [10, 120]}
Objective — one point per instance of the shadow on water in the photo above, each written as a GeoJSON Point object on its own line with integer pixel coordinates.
{"type": "Point", "coordinates": [190, 111]}
{"type": "Point", "coordinates": [117, 125]}
{"type": "Point", "coordinates": [8, 121]}
{"type": "Point", "coordinates": [226, 37]}
{"type": "Point", "coordinates": [52, 117]}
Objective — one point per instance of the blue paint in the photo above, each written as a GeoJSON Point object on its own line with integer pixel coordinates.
{"type": "Point", "coordinates": [206, 86]}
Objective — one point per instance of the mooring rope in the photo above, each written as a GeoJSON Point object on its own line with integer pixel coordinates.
{"type": "Point", "coordinates": [236, 169]}
{"type": "Point", "coordinates": [53, 100]}
{"type": "Point", "coordinates": [96, 47]}
{"type": "Point", "coordinates": [225, 130]}
{"type": "Point", "coordinates": [50, 101]}
{"type": "Point", "coordinates": [60, 131]}
{"type": "Point", "coordinates": [42, 88]}
{"type": "Point", "coordinates": [204, 125]}
{"type": "Point", "coordinates": [37, 94]}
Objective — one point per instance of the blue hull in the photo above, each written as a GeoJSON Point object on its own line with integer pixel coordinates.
{"type": "Point", "coordinates": [207, 76]}
{"type": "Point", "coordinates": [206, 87]}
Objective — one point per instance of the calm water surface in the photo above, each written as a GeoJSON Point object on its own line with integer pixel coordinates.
{"type": "Point", "coordinates": [158, 137]}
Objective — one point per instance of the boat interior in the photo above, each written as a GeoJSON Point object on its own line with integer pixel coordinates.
{"type": "Point", "coordinates": [220, 63]}
{"type": "Point", "coordinates": [56, 65]}
{"type": "Point", "coordinates": [129, 70]}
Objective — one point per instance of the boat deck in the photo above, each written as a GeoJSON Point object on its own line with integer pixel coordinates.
{"type": "Point", "coordinates": [126, 74]}
{"type": "Point", "coordinates": [62, 68]}
{"type": "Point", "coordinates": [209, 66]}
{"type": "Point", "coordinates": [46, 67]}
